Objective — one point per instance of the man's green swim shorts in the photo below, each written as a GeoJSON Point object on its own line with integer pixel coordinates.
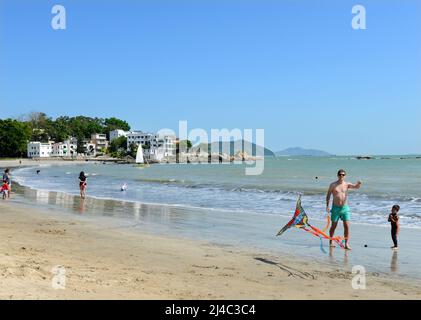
{"type": "Point", "coordinates": [342, 213]}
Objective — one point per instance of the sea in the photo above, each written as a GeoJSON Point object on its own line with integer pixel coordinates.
{"type": "Point", "coordinates": [220, 204]}
{"type": "Point", "coordinates": [386, 181]}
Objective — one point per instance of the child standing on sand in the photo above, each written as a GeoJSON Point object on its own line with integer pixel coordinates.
{"type": "Point", "coordinates": [394, 223]}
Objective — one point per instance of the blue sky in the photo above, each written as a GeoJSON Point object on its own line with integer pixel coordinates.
{"type": "Point", "coordinates": [295, 68]}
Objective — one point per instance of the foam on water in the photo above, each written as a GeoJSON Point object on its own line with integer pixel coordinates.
{"type": "Point", "coordinates": [225, 187]}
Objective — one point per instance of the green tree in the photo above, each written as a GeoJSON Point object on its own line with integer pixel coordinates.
{"type": "Point", "coordinates": [37, 120]}
{"type": "Point", "coordinates": [185, 145]}
{"type": "Point", "coordinates": [133, 150]}
{"type": "Point", "coordinates": [85, 126]}
{"type": "Point", "coordinates": [14, 136]}
{"type": "Point", "coordinates": [114, 124]}
{"type": "Point", "coordinates": [44, 128]}
{"type": "Point", "coordinates": [39, 135]}
{"type": "Point", "coordinates": [59, 129]}
{"type": "Point", "coordinates": [117, 145]}
{"type": "Point", "coordinates": [38, 123]}
{"type": "Point", "coordinates": [80, 143]}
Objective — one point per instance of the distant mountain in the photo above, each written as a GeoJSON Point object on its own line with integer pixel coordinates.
{"type": "Point", "coordinates": [232, 148]}
{"type": "Point", "coordinates": [302, 152]}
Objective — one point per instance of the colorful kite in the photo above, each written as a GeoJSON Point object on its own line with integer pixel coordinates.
{"type": "Point", "coordinates": [300, 220]}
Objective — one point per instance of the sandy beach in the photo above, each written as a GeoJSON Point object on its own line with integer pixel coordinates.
{"type": "Point", "coordinates": [25, 162]}
{"type": "Point", "coordinates": [102, 262]}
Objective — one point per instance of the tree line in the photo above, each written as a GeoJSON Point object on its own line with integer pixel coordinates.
{"type": "Point", "coordinates": [37, 126]}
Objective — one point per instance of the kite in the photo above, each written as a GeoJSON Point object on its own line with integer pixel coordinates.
{"type": "Point", "coordinates": [300, 220]}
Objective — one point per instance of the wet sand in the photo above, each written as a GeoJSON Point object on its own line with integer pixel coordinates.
{"type": "Point", "coordinates": [104, 262]}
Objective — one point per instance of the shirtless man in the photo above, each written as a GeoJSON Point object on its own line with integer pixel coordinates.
{"type": "Point", "coordinates": [340, 208]}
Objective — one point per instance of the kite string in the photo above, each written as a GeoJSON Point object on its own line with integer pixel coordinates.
{"type": "Point", "coordinates": [321, 245]}
{"type": "Point", "coordinates": [338, 240]}
{"type": "Point", "coordinates": [320, 234]}
{"type": "Point", "coordinates": [327, 223]}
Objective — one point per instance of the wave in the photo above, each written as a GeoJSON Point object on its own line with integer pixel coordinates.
{"type": "Point", "coordinates": [408, 220]}
{"type": "Point", "coordinates": [233, 197]}
{"type": "Point", "coordinates": [286, 194]}
{"type": "Point", "coordinates": [253, 188]}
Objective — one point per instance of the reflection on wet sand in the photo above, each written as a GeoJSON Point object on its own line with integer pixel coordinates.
{"type": "Point", "coordinates": [82, 206]}
{"type": "Point", "coordinates": [331, 256]}
{"type": "Point", "coordinates": [345, 253]}
{"type": "Point", "coordinates": [109, 208]}
{"type": "Point", "coordinates": [394, 262]}
{"type": "Point", "coordinates": [346, 258]}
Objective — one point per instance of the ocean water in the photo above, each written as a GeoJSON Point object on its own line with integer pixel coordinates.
{"type": "Point", "coordinates": [226, 187]}
{"type": "Point", "coordinates": [219, 204]}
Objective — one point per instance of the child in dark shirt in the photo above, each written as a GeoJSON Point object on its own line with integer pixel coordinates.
{"type": "Point", "coordinates": [394, 223]}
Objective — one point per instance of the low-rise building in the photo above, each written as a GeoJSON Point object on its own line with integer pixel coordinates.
{"type": "Point", "coordinates": [38, 149]}
{"type": "Point", "coordinates": [89, 148]}
{"type": "Point", "coordinates": [67, 148]}
{"type": "Point", "coordinates": [167, 143]}
{"type": "Point", "coordinates": [138, 138]}
{"type": "Point", "coordinates": [114, 134]}
{"type": "Point", "coordinates": [100, 141]}
{"type": "Point", "coordinates": [158, 146]}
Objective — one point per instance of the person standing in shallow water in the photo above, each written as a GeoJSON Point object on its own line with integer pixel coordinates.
{"type": "Point", "coordinates": [340, 208]}
{"type": "Point", "coordinates": [82, 184]}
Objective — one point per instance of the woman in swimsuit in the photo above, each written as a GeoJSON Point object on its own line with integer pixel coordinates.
{"type": "Point", "coordinates": [82, 184]}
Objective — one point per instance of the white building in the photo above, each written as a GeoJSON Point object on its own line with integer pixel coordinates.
{"type": "Point", "coordinates": [38, 149]}
{"type": "Point", "coordinates": [117, 134]}
{"type": "Point", "coordinates": [67, 148]}
{"type": "Point", "coordinates": [158, 146]}
{"type": "Point", "coordinates": [169, 145]}
{"type": "Point", "coordinates": [138, 138]}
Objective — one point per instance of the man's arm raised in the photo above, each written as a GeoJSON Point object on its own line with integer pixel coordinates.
{"type": "Point", "coordinates": [355, 186]}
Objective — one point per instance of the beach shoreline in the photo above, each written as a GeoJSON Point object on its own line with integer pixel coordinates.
{"type": "Point", "coordinates": [135, 260]}
{"type": "Point", "coordinates": [240, 229]}
{"type": "Point", "coordinates": [27, 162]}
{"type": "Point", "coordinates": [103, 262]}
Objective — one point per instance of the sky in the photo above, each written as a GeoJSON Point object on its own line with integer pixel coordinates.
{"type": "Point", "coordinates": [296, 69]}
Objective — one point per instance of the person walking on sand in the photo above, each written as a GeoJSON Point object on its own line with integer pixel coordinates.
{"type": "Point", "coordinates": [82, 184]}
{"type": "Point", "coordinates": [394, 223]}
{"type": "Point", "coordinates": [7, 181]}
{"type": "Point", "coordinates": [340, 208]}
